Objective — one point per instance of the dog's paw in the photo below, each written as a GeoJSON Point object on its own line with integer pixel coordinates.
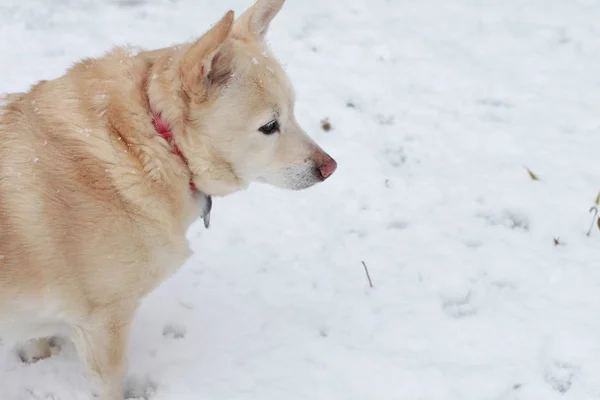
{"type": "Point", "coordinates": [35, 350]}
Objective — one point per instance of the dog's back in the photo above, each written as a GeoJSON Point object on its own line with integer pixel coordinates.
{"type": "Point", "coordinates": [68, 193]}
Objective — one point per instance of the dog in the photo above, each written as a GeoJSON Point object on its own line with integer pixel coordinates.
{"type": "Point", "coordinates": [103, 170]}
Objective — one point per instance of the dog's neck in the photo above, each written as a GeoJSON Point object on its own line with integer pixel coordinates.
{"type": "Point", "coordinates": [163, 129]}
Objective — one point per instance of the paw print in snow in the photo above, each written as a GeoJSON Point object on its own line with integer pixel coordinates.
{"type": "Point", "coordinates": [385, 120]}
{"type": "Point", "coordinates": [139, 388]}
{"type": "Point", "coordinates": [174, 331]}
{"type": "Point", "coordinates": [459, 306]}
{"type": "Point", "coordinates": [396, 157]}
{"type": "Point", "coordinates": [510, 219]}
{"type": "Point", "coordinates": [398, 224]}
{"type": "Point", "coordinates": [559, 375]}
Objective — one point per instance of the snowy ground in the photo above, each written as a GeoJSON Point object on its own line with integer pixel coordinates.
{"type": "Point", "coordinates": [436, 108]}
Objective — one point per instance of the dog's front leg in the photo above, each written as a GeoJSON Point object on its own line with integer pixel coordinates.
{"type": "Point", "coordinates": [101, 343]}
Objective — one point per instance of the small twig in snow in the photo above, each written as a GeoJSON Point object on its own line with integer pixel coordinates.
{"type": "Point", "coordinates": [367, 272]}
{"type": "Point", "coordinates": [533, 176]}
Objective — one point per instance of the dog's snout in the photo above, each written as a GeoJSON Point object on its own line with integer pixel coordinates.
{"type": "Point", "coordinates": [327, 167]}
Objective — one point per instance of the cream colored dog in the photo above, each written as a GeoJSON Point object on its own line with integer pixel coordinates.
{"type": "Point", "coordinates": [103, 169]}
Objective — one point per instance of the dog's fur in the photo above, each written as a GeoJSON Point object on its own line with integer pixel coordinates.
{"type": "Point", "coordinates": [94, 203]}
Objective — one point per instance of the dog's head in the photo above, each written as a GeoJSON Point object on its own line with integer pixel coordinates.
{"type": "Point", "coordinates": [234, 117]}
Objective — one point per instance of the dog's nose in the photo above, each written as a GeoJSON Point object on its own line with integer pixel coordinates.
{"type": "Point", "coordinates": [328, 167]}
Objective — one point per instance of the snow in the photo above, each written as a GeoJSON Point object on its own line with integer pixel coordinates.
{"type": "Point", "coordinates": [436, 109]}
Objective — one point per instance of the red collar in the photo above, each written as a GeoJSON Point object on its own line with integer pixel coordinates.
{"type": "Point", "coordinates": [163, 129]}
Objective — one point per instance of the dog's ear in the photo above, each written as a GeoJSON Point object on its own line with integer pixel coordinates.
{"type": "Point", "coordinates": [255, 21]}
{"type": "Point", "coordinates": [206, 63]}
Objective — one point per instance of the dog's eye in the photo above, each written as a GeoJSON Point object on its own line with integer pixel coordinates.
{"type": "Point", "coordinates": [270, 127]}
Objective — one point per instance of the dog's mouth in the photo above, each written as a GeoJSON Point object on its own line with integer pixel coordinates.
{"type": "Point", "coordinates": [303, 176]}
